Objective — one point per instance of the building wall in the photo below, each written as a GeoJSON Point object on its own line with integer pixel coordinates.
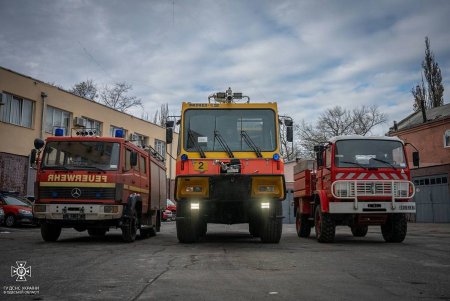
{"type": "Point", "coordinates": [429, 140]}
{"type": "Point", "coordinates": [18, 140]}
{"type": "Point", "coordinates": [13, 172]}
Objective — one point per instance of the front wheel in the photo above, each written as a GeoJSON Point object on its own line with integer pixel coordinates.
{"type": "Point", "coordinates": [50, 232]}
{"type": "Point", "coordinates": [324, 226]}
{"type": "Point", "coordinates": [10, 220]}
{"type": "Point", "coordinates": [129, 229]}
{"type": "Point", "coordinates": [272, 224]}
{"type": "Point", "coordinates": [395, 228]}
{"type": "Point", "coordinates": [302, 224]}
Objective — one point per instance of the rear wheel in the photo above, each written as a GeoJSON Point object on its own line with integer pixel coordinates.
{"type": "Point", "coordinates": [50, 232]}
{"type": "Point", "coordinates": [395, 228]}
{"type": "Point", "coordinates": [302, 224]}
{"type": "Point", "coordinates": [97, 232]}
{"type": "Point", "coordinates": [272, 224]}
{"type": "Point", "coordinates": [359, 231]}
{"type": "Point", "coordinates": [324, 226]}
{"type": "Point", "coordinates": [147, 232]}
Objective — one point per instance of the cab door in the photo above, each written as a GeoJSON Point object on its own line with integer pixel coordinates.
{"type": "Point", "coordinates": [131, 178]}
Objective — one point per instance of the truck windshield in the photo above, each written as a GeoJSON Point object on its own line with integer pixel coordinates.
{"type": "Point", "coordinates": [369, 153]}
{"type": "Point", "coordinates": [81, 155]}
{"type": "Point", "coordinates": [230, 123]}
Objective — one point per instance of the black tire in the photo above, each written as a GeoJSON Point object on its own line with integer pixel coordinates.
{"type": "Point", "coordinates": [253, 228]}
{"type": "Point", "coordinates": [148, 232]}
{"type": "Point", "coordinates": [395, 228]}
{"type": "Point", "coordinates": [129, 229]}
{"type": "Point", "coordinates": [10, 220]}
{"type": "Point", "coordinates": [187, 225]}
{"type": "Point", "coordinates": [359, 231]}
{"type": "Point", "coordinates": [203, 228]}
{"type": "Point", "coordinates": [97, 232]}
{"type": "Point", "coordinates": [50, 232]}
{"type": "Point", "coordinates": [324, 226]}
{"type": "Point", "coordinates": [302, 224]}
{"type": "Point", "coordinates": [272, 224]}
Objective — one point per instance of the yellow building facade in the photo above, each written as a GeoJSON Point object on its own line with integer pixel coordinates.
{"type": "Point", "coordinates": [30, 108]}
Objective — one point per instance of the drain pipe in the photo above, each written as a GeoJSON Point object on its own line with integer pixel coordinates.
{"type": "Point", "coordinates": [44, 108]}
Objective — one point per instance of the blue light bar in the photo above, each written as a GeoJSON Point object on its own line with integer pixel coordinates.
{"type": "Point", "coordinates": [184, 157]}
{"type": "Point", "coordinates": [119, 133]}
{"type": "Point", "coordinates": [276, 157]}
{"type": "Point", "coordinates": [59, 132]}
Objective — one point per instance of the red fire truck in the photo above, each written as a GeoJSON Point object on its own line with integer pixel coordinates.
{"type": "Point", "coordinates": [228, 168]}
{"type": "Point", "coordinates": [93, 183]}
{"type": "Point", "coordinates": [355, 181]}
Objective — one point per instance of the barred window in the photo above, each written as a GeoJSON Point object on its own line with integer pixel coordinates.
{"type": "Point", "coordinates": [94, 125]}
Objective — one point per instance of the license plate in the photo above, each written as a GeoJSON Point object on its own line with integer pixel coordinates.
{"type": "Point", "coordinates": [200, 165]}
{"type": "Point", "coordinates": [74, 216]}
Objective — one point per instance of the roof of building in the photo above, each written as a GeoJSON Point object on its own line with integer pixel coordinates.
{"type": "Point", "coordinates": [415, 118]}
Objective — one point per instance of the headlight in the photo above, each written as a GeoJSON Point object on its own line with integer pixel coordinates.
{"type": "Point", "coordinates": [192, 187]}
{"type": "Point", "coordinates": [39, 208]}
{"type": "Point", "coordinates": [111, 209]}
{"type": "Point", "coordinates": [268, 186]}
{"type": "Point", "coordinates": [25, 212]}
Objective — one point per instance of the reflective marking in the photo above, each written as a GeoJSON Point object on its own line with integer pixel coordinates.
{"type": "Point", "coordinates": [373, 177]}
{"type": "Point", "coordinates": [405, 177]}
{"type": "Point", "coordinates": [384, 176]}
{"type": "Point", "coordinates": [350, 176]}
{"type": "Point", "coordinates": [339, 175]}
{"type": "Point", "coordinates": [361, 176]}
{"type": "Point", "coordinates": [395, 176]}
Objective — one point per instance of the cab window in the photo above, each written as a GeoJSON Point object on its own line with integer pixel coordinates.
{"type": "Point", "coordinates": [143, 165]}
{"type": "Point", "coordinates": [127, 159]}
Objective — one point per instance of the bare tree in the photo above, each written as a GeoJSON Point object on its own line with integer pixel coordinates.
{"type": "Point", "coordinates": [161, 115]}
{"type": "Point", "coordinates": [336, 122]}
{"type": "Point", "coordinates": [433, 94]}
{"type": "Point", "coordinates": [289, 150]}
{"type": "Point", "coordinates": [117, 97]}
{"type": "Point", "coordinates": [86, 89]}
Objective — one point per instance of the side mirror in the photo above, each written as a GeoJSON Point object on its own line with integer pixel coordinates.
{"type": "Point", "coordinates": [33, 157]}
{"type": "Point", "coordinates": [38, 143]}
{"type": "Point", "coordinates": [318, 149]}
{"type": "Point", "coordinates": [169, 135]}
{"type": "Point", "coordinates": [416, 159]}
{"type": "Point", "coordinates": [170, 124]}
{"type": "Point", "coordinates": [133, 159]}
{"type": "Point", "coordinates": [289, 134]}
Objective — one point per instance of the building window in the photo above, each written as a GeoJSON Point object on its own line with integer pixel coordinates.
{"type": "Point", "coordinates": [140, 139]}
{"type": "Point", "coordinates": [16, 110]}
{"type": "Point", "coordinates": [56, 118]}
{"type": "Point", "coordinates": [113, 129]}
{"type": "Point", "coordinates": [94, 125]}
{"type": "Point", "coordinates": [447, 138]}
{"type": "Point", "coordinates": [160, 147]}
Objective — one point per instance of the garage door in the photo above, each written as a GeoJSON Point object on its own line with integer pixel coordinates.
{"type": "Point", "coordinates": [432, 199]}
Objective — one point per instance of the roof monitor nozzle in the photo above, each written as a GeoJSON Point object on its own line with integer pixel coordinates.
{"type": "Point", "coordinates": [227, 96]}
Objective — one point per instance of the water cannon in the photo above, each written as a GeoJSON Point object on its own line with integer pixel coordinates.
{"type": "Point", "coordinates": [227, 97]}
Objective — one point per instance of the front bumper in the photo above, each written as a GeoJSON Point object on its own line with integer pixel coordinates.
{"type": "Point", "coordinates": [372, 207]}
{"type": "Point", "coordinates": [76, 212]}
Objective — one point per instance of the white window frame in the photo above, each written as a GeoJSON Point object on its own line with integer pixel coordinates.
{"type": "Point", "coordinates": [160, 147]}
{"type": "Point", "coordinates": [7, 102]}
{"type": "Point", "coordinates": [64, 115]}
{"type": "Point", "coordinates": [447, 139]}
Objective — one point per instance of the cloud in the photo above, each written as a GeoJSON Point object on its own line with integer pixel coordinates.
{"type": "Point", "coordinates": [306, 55]}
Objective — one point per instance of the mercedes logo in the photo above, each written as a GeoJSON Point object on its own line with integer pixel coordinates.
{"type": "Point", "coordinates": [76, 193]}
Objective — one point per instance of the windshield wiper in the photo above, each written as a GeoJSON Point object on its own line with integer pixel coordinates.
{"type": "Point", "coordinates": [251, 143]}
{"type": "Point", "coordinates": [196, 145]}
{"type": "Point", "coordinates": [385, 162]}
{"type": "Point", "coordinates": [223, 144]}
{"type": "Point", "coordinates": [354, 163]}
{"type": "Point", "coordinates": [93, 167]}
{"type": "Point", "coordinates": [57, 167]}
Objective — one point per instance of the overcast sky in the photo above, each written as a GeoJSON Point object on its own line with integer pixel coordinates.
{"type": "Point", "coordinates": [306, 55]}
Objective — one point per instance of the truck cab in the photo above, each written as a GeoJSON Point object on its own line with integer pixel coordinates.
{"type": "Point", "coordinates": [355, 181]}
{"type": "Point", "coordinates": [229, 168]}
{"type": "Point", "coordinates": [93, 183]}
